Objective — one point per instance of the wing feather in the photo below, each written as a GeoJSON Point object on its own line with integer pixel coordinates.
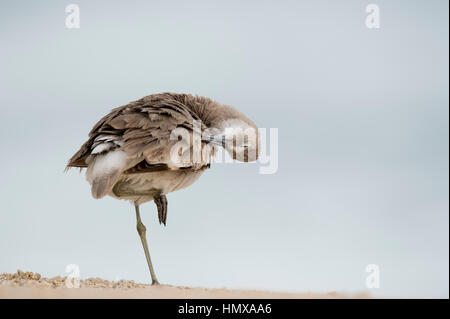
{"type": "Point", "coordinates": [141, 129]}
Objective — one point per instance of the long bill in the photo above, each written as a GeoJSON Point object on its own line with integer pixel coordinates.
{"type": "Point", "coordinates": [218, 140]}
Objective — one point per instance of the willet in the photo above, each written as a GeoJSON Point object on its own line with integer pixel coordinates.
{"type": "Point", "coordinates": [146, 149]}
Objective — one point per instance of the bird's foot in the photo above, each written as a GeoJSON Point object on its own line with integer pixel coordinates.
{"type": "Point", "coordinates": [155, 283]}
{"type": "Point", "coordinates": [161, 204]}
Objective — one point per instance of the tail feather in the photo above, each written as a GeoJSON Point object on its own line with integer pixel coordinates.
{"type": "Point", "coordinates": [102, 184]}
{"type": "Point", "coordinates": [103, 171]}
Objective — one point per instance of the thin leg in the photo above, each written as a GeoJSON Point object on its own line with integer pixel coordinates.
{"type": "Point", "coordinates": [141, 231]}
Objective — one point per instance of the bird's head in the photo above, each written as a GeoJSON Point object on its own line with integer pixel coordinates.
{"type": "Point", "coordinates": [238, 136]}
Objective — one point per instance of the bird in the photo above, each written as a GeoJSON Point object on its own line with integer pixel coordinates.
{"type": "Point", "coordinates": [159, 144]}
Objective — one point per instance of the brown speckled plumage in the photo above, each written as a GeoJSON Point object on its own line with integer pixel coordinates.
{"type": "Point", "coordinates": [128, 154]}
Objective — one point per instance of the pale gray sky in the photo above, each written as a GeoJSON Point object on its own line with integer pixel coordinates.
{"type": "Point", "coordinates": [363, 128]}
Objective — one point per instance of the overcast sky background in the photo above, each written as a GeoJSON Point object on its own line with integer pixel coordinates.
{"type": "Point", "coordinates": [363, 144]}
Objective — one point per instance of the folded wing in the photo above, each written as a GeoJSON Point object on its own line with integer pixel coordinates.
{"type": "Point", "coordinates": [137, 138]}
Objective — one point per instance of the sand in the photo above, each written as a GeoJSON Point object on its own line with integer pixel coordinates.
{"type": "Point", "coordinates": [33, 285]}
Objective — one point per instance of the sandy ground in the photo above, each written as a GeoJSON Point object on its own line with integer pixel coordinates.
{"type": "Point", "coordinates": [32, 285]}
